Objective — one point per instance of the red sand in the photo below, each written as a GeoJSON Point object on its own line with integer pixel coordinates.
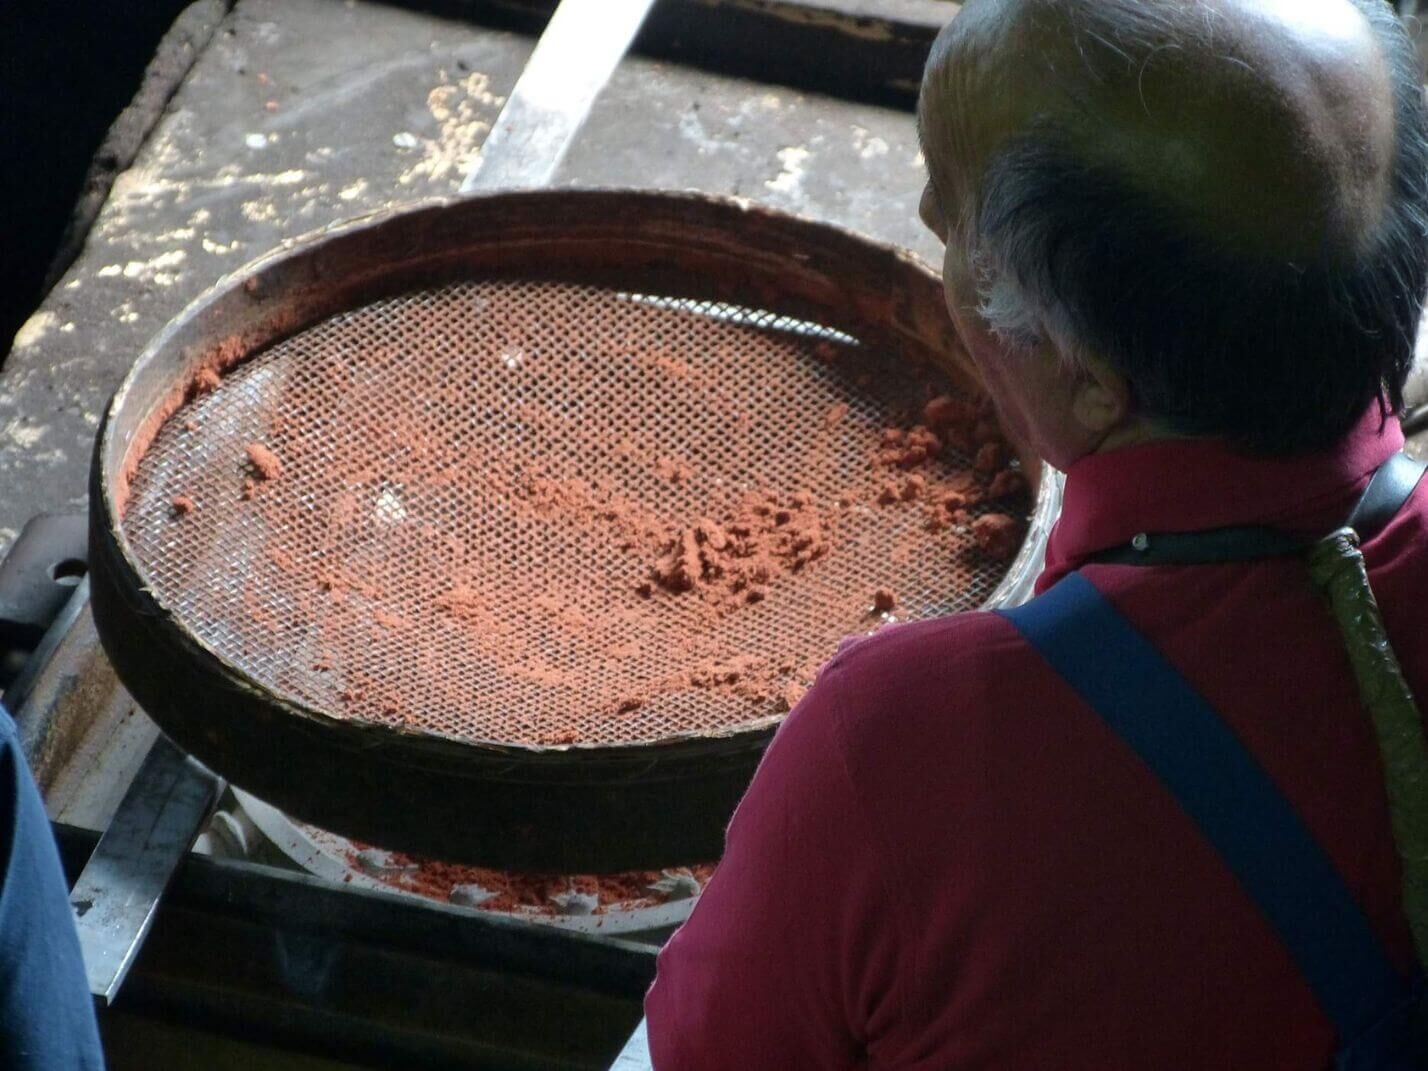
{"type": "Point", "coordinates": [532, 893]}
{"type": "Point", "coordinates": [998, 535]}
{"type": "Point", "coordinates": [953, 501]}
{"type": "Point", "coordinates": [945, 411]}
{"type": "Point", "coordinates": [266, 464]}
{"type": "Point", "coordinates": [732, 563]}
{"type": "Point", "coordinates": [544, 556]}
{"type": "Point", "coordinates": [182, 505]}
{"type": "Point", "coordinates": [991, 456]}
{"type": "Point", "coordinates": [1006, 483]}
{"type": "Point", "coordinates": [720, 565]}
{"type": "Point", "coordinates": [910, 448]}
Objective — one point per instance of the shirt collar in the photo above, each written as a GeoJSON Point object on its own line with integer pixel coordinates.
{"type": "Point", "coordinates": [1189, 485]}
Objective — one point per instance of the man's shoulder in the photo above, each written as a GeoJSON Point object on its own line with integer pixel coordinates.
{"type": "Point", "coordinates": [883, 708]}
{"type": "Point", "coordinates": [970, 636]}
{"type": "Point", "coordinates": [888, 683]}
{"type": "Point", "coordinates": [971, 644]}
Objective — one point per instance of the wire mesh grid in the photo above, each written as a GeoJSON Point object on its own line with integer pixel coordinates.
{"type": "Point", "coordinates": [549, 514]}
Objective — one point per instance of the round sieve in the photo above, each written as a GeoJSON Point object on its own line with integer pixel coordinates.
{"type": "Point", "coordinates": [508, 530]}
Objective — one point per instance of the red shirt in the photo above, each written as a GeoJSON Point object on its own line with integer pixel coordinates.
{"type": "Point", "coordinates": [948, 861]}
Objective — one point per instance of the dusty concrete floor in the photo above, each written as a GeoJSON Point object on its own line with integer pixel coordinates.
{"type": "Point", "coordinates": [304, 112]}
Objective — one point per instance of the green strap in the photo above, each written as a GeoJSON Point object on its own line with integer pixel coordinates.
{"type": "Point", "coordinates": [1339, 572]}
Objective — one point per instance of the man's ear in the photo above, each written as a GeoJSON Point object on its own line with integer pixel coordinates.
{"type": "Point", "coordinates": [1102, 401]}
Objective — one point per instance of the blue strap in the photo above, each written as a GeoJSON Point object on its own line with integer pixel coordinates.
{"type": "Point", "coordinates": [1218, 783]}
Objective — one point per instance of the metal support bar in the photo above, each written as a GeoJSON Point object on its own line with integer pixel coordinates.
{"type": "Point", "coordinates": [579, 50]}
{"type": "Point", "coordinates": [118, 892]}
{"type": "Point", "coordinates": [17, 694]}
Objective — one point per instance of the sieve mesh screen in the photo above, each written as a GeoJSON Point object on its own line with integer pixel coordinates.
{"type": "Point", "coordinates": [541, 513]}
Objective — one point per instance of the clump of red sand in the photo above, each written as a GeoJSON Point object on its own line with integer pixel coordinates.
{"type": "Point", "coordinates": [951, 498]}
{"type": "Point", "coordinates": [732, 563]}
{"type": "Point", "coordinates": [907, 489]}
{"type": "Point", "coordinates": [1006, 483]}
{"type": "Point", "coordinates": [998, 534]}
{"type": "Point", "coordinates": [945, 411]}
{"type": "Point", "coordinates": [534, 893]}
{"type": "Point", "coordinates": [266, 464]}
{"type": "Point", "coordinates": [182, 505]}
{"type": "Point", "coordinates": [990, 458]}
{"type": "Point", "coordinates": [962, 424]}
{"type": "Point", "coordinates": [753, 678]}
{"type": "Point", "coordinates": [908, 448]}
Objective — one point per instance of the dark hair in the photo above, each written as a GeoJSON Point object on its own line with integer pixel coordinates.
{"type": "Point", "coordinates": [1276, 356]}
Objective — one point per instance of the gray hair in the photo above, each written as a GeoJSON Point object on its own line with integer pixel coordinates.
{"type": "Point", "coordinates": [1020, 319]}
{"type": "Point", "coordinates": [1277, 353]}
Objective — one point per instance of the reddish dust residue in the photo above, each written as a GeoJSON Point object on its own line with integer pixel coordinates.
{"type": "Point", "coordinates": [702, 572]}
{"type": "Point", "coordinates": [951, 496]}
{"type": "Point", "coordinates": [524, 549]}
{"type": "Point", "coordinates": [998, 534]}
{"type": "Point", "coordinates": [990, 458]}
{"type": "Point", "coordinates": [908, 447]}
{"type": "Point", "coordinates": [182, 505]}
{"type": "Point", "coordinates": [202, 382]}
{"type": "Point", "coordinates": [732, 562]}
{"type": "Point", "coordinates": [529, 893]}
{"type": "Point", "coordinates": [266, 464]}
{"type": "Point", "coordinates": [1006, 483]}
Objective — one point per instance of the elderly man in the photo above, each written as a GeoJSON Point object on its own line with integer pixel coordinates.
{"type": "Point", "coordinates": [1185, 247]}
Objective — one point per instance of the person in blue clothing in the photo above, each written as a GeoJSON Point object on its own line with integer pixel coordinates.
{"type": "Point", "coordinates": [47, 1020]}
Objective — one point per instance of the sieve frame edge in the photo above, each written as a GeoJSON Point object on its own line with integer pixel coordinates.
{"type": "Point", "coordinates": [172, 673]}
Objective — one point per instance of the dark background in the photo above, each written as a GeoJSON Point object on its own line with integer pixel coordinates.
{"type": "Point", "coordinates": [66, 71]}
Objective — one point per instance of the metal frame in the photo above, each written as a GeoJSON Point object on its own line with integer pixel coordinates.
{"type": "Point", "coordinates": [578, 51]}
{"type": "Point", "coordinates": [117, 895]}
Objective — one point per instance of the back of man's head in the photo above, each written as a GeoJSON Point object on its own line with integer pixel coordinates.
{"type": "Point", "coordinates": [1226, 200]}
